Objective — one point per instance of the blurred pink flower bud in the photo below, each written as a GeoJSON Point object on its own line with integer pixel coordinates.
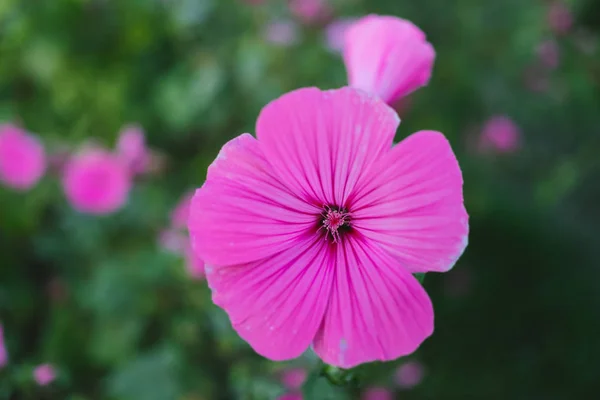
{"type": "Point", "coordinates": [294, 378]}
{"type": "Point", "coordinates": [409, 374]}
{"type": "Point", "coordinates": [282, 32]}
{"type": "Point", "coordinates": [377, 393]}
{"type": "Point", "coordinates": [309, 11]}
{"type": "Point", "coordinates": [131, 146]}
{"type": "Point", "coordinates": [559, 17]}
{"type": "Point", "coordinates": [3, 352]}
{"type": "Point", "coordinates": [500, 134]}
{"type": "Point", "coordinates": [548, 53]}
{"type": "Point", "coordinates": [22, 158]}
{"type": "Point", "coordinates": [44, 374]}
{"type": "Point", "coordinates": [335, 33]}
{"type": "Point", "coordinates": [96, 181]}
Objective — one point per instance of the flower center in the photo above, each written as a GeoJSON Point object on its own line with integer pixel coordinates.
{"type": "Point", "coordinates": [335, 221]}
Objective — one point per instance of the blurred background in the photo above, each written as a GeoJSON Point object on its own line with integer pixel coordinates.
{"type": "Point", "coordinates": [106, 302]}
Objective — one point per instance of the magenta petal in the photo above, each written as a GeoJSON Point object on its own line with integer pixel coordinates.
{"type": "Point", "coordinates": [322, 142]}
{"type": "Point", "coordinates": [3, 352]}
{"type": "Point", "coordinates": [412, 205]}
{"type": "Point", "coordinates": [377, 310]}
{"type": "Point", "coordinates": [276, 304]}
{"type": "Point", "coordinates": [243, 212]}
{"type": "Point", "coordinates": [387, 56]}
{"type": "Point", "coordinates": [22, 158]}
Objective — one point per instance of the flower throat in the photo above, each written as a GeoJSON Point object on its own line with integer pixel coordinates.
{"type": "Point", "coordinates": [335, 222]}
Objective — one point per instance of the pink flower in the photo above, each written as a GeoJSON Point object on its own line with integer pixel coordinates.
{"type": "Point", "coordinates": [282, 33]}
{"type": "Point", "coordinates": [560, 19]}
{"type": "Point", "coordinates": [500, 134]}
{"type": "Point", "coordinates": [309, 11]}
{"type": "Point", "coordinates": [3, 352]}
{"type": "Point", "coordinates": [22, 158]}
{"type": "Point", "coordinates": [409, 374]}
{"type": "Point", "coordinates": [290, 396]}
{"type": "Point", "coordinates": [312, 231]}
{"type": "Point", "coordinates": [335, 33]}
{"type": "Point", "coordinates": [377, 393]}
{"type": "Point", "coordinates": [179, 215]}
{"type": "Point", "coordinates": [44, 374]}
{"type": "Point", "coordinates": [131, 146]}
{"type": "Point", "coordinates": [194, 264]}
{"type": "Point", "coordinates": [96, 182]}
{"type": "Point", "coordinates": [387, 56]}
{"type": "Point", "coordinates": [294, 378]}
{"type": "Point", "coordinates": [548, 52]}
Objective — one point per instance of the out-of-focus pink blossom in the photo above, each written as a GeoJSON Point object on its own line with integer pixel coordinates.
{"type": "Point", "coordinates": [282, 32]}
{"type": "Point", "coordinates": [290, 396]}
{"type": "Point", "coordinates": [44, 374]}
{"type": "Point", "coordinates": [409, 374]}
{"type": "Point", "coordinates": [560, 18]}
{"type": "Point", "coordinates": [194, 265]}
{"type": "Point", "coordinates": [377, 393]}
{"type": "Point", "coordinates": [387, 56]}
{"type": "Point", "coordinates": [500, 134]}
{"type": "Point", "coordinates": [309, 11]}
{"type": "Point", "coordinates": [131, 146]}
{"type": "Point", "coordinates": [173, 240]}
{"type": "Point", "coordinates": [3, 352]}
{"type": "Point", "coordinates": [179, 215]}
{"type": "Point", "coordinates": [335, 33]}
{"type": "Point", "coordinates": [548, 53]}
{"type": "Point", "coordinates": [96, 181]}
{"type": "Point", "coordinates": [294, 378]}
{"type": "Point", "coordinates": [22, 158]}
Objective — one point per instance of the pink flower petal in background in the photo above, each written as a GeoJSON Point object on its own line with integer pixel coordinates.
{"type": "Point", "coordinates": [387, 56]}
{"type": "Point", "coordinates": [377, 393]}
{"type": "Point", "coordinates": [44, 374]}
{"type": "Point", "coordinates": [309, 11]}
{"type": "Point", "coordinates": [173, 240]}
{"type": "Point", "coordinates": [282, 33]}
{"type": "Point", "coordinates": [500, 134]}
{"type": "Point", "coordinates": [179, 215]}
{"type": "Point", "coordinates": [96, 181]}
{"type": "Point", "coordinates": [294, 378]}
{"type": "Point", "coordinates": [560, 19]}
{"type": "Point", "coordinates": [549, 53]}
{"type": "Point", "coordinates": [297, 236]}
{"type": "Point", "coordinates": [3, 352]}
{"type": "Point", "coordinates": [290, 396]}
{"type": "Point", "coordinates": [131, 146]}
{"type": "Point", "coordinates": [22, 158]}
{"type": "Point", "coordinates": [409, 374]}
{"type": "Point", "coordinates": [335, 33]}
{"type": "Point", "coordinates": [194, 265]}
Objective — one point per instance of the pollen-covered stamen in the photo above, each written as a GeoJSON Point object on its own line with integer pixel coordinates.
{"type": "Point", "coordinates": [334, 220]}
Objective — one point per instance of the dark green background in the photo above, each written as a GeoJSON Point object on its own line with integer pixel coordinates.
{"type": "Point", "coordinates": [131, 325]}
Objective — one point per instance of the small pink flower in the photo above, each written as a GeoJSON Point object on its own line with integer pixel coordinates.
{"type": "Point", "coordinates": [179, 215]}
{"type": "Point", "coordinates": [44, 374]}
{"type": "Point", "coordinates": [290, 396]}
{"type": "Point", "coordinates": [22, 158]}
{"type": "Point", "coordinates": [335, 33]}
{"type": "Point", "coordinates": [3, 352]}
{"type": "Point", "coordinates": [387, 56]}
{"type": "Point", "coordinates": [294, 378]}
{"type": "Point", "coordinates": [377, 393]}
{"type": "Point", "coordinates": [312, 231]}
{"type": "Point", "coordinates": [131, 146]}
{"type": "Point", "coordinates": [409, 374]}
{"type": "Point", "coordinates": [500, 134]}
{"type": "Point", "coordinates": [560, 19]}
{"type": "Point", "coordinates": [96, 181]}
{"type": "Point", "coordinates": [282, 33]}
{"type": "Point", "coordinates": [548, 53]}
{"type": "Point", "coordinates": [309, 11]}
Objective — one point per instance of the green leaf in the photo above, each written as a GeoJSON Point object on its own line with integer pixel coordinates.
{"type": "Point", "coordinates": [420, 277]}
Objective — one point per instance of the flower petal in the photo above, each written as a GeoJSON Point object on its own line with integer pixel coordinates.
{"type": "Point", "coordinates": [412, 204]}
{"type": "Point", "coordinates": [243, 213]}
{"type": "Point", "coordinates": [276, 304]}
{"type": "Point", "coordinates": [321, 142]}
{"type": "Point", "coordinates": [387, 56]}
{"type": "Point", "coordinates": [377, 310]}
